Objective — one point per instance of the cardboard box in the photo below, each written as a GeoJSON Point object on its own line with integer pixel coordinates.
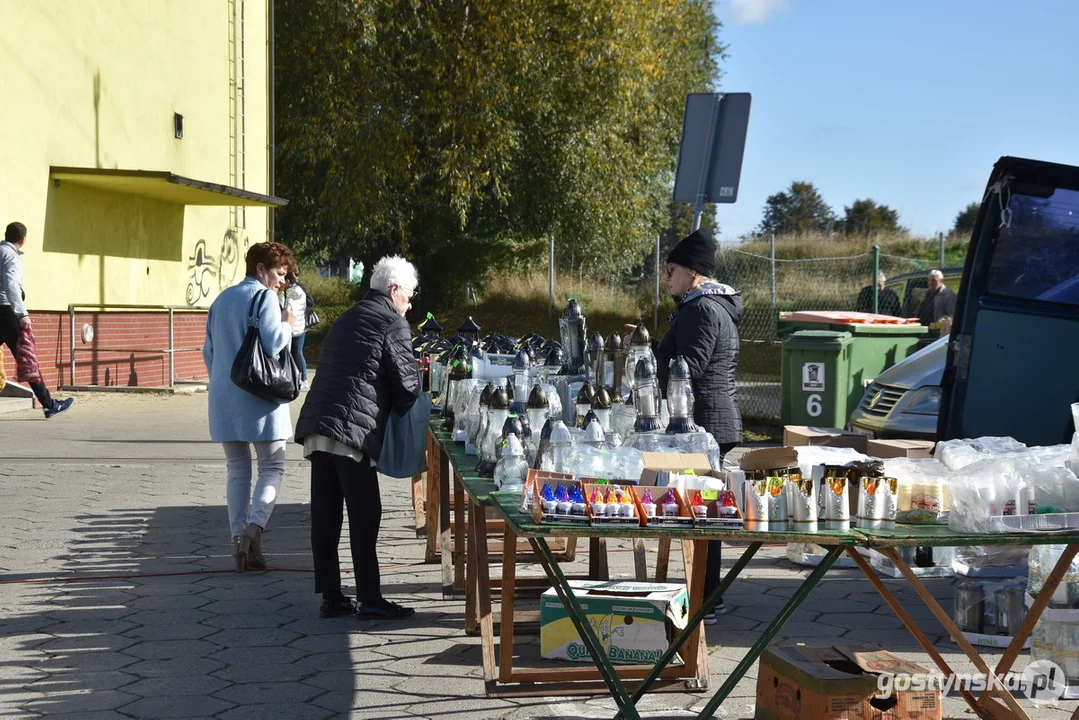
{"type": "Point", "coordinates": [800, 435]}
{"type": "Point", "coordinates": [827, 682]}
{"type": "Point", "coordinates": [534, 484]}
{"type": "Point", "coordinates": [604, 518]}
{"type": "Point", "coordinates": [900, 448]}
{"type": "Point", "coordinates": [769, 459]}
{"type": "Point", "coordinates": [635, 622]}
{"type": "Point", "coordinates": [656, 464]}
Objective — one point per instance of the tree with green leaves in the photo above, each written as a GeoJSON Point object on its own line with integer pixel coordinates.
{"type": "Point", "coordinates": [866, 217]}
{"type": "Point", "coordinates": [798, 210]}
{"type": "Point", "coordinates": [464, 133]}
{"type": "Point", "coordinates": [964, 221]}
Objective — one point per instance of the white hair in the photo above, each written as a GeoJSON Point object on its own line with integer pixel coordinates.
{"type": "Point", "coordinates": [881, 277]}
{"type": "Point", "coordinates": [937, 274]}
{"type": "Point", "coordinates": [394, 270]}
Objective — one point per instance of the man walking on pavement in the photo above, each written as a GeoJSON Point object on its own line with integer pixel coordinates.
{"type": "Point", "coordinates": [13, 316]}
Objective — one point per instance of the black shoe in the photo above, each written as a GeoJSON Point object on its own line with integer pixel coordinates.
{"type": "Point", "coordinates": [336, 607]}
{"type": "Point", "coordinates": [58, 406]}
{"type": "Point", "coordinates": [384, 609]}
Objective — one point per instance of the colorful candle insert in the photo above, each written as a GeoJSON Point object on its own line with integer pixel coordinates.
{"type": "Point", "coordinates": [697, 506]}
{"type": "Point", "coordinates": [726, 507]}
{"type": "Point", "coordinates": [648, 503]}
{"type": "Point", "coordinates": [670, 504]}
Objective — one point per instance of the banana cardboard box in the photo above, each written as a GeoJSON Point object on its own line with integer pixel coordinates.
{"type": "Point", "coordinates": [634, 621]}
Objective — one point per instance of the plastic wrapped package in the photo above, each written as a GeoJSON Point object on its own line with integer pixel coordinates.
{"type": "Point", "coordinates": [812, 456]}
{"type": "Point", "coordinates": [622, 419]}
{"type": "Point", "coordinates": [991, 560]}
{"type": "Point", "coordinates": [1054, 456]}
{"type": "Point", "coordinates": [1043, 558]}
{"type": "Point", "coordinates": [989, 607]}
{"type": "Point", "coordinates": [461, 404]}
{"type": "Point", "coordinates": [957, 454]}
{"type": "Point", "coordinates": [1057, 642]}
{"type": "Point", "coordinates": [985, 490]}
{"type": "Point", "coordinates": [811, 555]}
{"type": "Point", "coordinates": [923, 484]}
{"type": "Point", "coordinates": [1073, 454]}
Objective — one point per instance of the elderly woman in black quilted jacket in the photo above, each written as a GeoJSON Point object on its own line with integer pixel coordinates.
{"type": "Point", "coordinates": [704, 330]}
{"type": "Point", "coordinates": [366, 369]}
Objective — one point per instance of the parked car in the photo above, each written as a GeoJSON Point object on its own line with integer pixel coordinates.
{"type": "Point", "coordinates": [911, 287]}
{"type": "Point", "coordinates": [904, 401]}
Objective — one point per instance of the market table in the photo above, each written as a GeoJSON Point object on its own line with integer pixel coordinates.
{"type": "Point", "coordinates": [995, 702]}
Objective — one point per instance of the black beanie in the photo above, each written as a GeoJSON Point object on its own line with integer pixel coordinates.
{"type": "Point", "coordinates": [696, 251]}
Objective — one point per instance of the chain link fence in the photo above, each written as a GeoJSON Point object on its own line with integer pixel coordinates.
{"type": "Point", "coordinates": [771, 286]}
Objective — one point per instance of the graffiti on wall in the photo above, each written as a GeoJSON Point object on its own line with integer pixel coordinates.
{"type": "Point", "coordinates": [205, 270]}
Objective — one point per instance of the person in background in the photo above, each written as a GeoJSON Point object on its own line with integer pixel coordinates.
{"type": "Point", "coordinates": [14, 319]}
{"type": "Point", "coordinates": [938, 303]}
{"type": "Point", "coordinates": [239, 419]}
{"type": "Point", "coordinates": [887, 299]}
{"type": "Point", "coordinates": [704, 331]}
{"type": "Point", "coordinates": [296, 297]}
{"type": "Point", "coordinates": [366, 369]}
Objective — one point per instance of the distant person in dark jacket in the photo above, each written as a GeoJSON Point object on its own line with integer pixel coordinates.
{"type": "Point", "coordinates": [704, 330]}
{"type": "Point", "coordinates": [366, 369]}
{"type": "Point", "coordinates": [887, 300]}
{"type": "Point", "coordinates": [938, 303]}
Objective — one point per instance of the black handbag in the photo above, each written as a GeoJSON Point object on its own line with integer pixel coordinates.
{"type": "Point", "coordinates": [272, 378]}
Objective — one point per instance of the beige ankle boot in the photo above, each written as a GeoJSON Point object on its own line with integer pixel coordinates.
{"type": "Point", "coordinates": [240, 546]}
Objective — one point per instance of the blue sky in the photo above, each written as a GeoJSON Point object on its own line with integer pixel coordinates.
{"type": "Point", "coordinates": [908, 103]}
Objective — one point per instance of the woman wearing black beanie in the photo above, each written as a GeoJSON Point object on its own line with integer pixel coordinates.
{"type": "Point", "coordinates": [704, 331]}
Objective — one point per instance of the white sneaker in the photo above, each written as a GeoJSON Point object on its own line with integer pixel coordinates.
{"type": "Point", "coordinates": [304, 386]}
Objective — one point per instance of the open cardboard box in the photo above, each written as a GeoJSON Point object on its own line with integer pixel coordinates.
{"type": "Point", "coordinates": [656, 465]}
{"type": "Point", "coordinates": [841, 681]}
{"type": "Point", "coordinates": [636, 519]}
{"type": "Point", "coordinates": [684, 518]}
{"type": "Point", "coordinates": [799, 435]}
{"type": "Point", "coordinates": [900, 448]}
{"type": "Point", "coordinates": [534, 484]}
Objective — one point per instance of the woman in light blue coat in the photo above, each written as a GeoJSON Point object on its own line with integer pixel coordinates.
{"type": "Point", "coordinates": [239, 419]}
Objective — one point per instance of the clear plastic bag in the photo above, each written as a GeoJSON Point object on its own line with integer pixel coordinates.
{"type": "Point", "coordinates": [958, 454]}
{"type": "Point", "coordinates": [984, 491]}
{"type": "Point", "coordinates": [1043, 558]}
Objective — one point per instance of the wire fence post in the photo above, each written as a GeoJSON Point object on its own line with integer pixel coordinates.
{"type": "Point", "coordinates": [940, 241]}
{"type": "Point", "coordinates": [874, 282]}
{"type": "Point", "coordinates": [655, 320]}
{"type": "Point", "coordinates": [550, 279]}
{"type": "Point", "coordinates": [775, 310]}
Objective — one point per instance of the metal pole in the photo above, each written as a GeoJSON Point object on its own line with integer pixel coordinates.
{"type": "Point", "coordinates": [172, 352]}
{"type": "Point", "coordinates": [71, 316]}
{"type": "Point", "coordinates": [550, 279]}
{"type": "Point", "coordinates": [773, 279]}
{"type": "Point", "coordinates": [706, 167]}
{"type": "Point", "coordinates": [655, 320]}
{"type": "Point", "coordinates": [876, 274]}
{"type": "Point", "coordinates": [940, 240]}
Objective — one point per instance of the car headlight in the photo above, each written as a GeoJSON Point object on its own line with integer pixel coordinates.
{"type": "Point", "coordinates": [924, 401]}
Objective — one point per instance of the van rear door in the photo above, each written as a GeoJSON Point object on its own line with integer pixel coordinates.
{"type": "Point", "coordinates": [1013, 360]}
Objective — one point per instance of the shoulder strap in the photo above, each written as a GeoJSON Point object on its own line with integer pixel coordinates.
{"type": "Point", "coordinates": [252, 312]}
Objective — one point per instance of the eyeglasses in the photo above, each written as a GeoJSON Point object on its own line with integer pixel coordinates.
{"type": "Point", "coordinates": [409, 294]}
{"type": "Point", "coordinates": [671, 268]}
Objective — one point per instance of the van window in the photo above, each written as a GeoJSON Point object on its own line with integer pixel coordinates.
{"type": "Point", "coordinates": [1037, 257]}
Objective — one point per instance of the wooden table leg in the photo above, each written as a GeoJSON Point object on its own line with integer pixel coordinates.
{"type": "Point", "coordinates": [640, 561]}
{"type": "Point", "coordinates": [509, 584]}
{"type": "Point", "coordinates": [950, 627]}
{"type": "Point", "coordinates": [419, 508]}
{"type": "Point", "coordinates": [696, 652]}
{"type": "Point", "coordinates": [663, 560]}
{"type": "Point", "coordinates": [482, 574]}
{"type": "Point", "coordinates": [460, 539]}
{"type": "Point", "coordinates": [471, 568]}
{"type": "Point", "coordinates": [432, 514]}
{"type": "Point", "coordinates": [445, 470]}
{"type": "Point", "coordinates": [597, 559]}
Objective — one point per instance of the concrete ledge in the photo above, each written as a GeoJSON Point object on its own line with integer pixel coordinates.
{"type": "Point", "coordinates": [178, 389]}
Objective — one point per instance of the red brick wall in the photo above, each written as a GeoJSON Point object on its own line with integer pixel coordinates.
{"type": "Point", "coordinates": [135, 334]}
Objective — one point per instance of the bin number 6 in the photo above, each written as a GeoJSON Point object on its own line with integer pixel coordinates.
{"type": "Point", "coordinates": [813, 406]}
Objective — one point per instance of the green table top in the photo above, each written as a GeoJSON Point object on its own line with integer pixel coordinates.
{"type": "Point", "coordinates": [482, 491]}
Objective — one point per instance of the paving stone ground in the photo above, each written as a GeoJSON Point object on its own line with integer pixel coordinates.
{"type": "Point", "coordinates": [117, 598]}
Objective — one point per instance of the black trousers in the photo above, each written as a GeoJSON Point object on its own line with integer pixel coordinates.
{"type": "Point", "coordinates": [10, 331]}
{"type": "Point", "coordinates": [713, 565]}
{"type": "Point", "coordinates": [336, 479]}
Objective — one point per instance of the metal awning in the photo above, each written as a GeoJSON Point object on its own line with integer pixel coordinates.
{"type": "Point", "coordinates": [164, 186]}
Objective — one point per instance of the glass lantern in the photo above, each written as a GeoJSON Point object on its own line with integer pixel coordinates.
{"type": "Point", "coordinates": [511, 469]}
{"type": "Point", "coordinates": [470, 330]}
{"type": "Point", "coordinates": [595, 357]}
{"type": "Point", "coordinates": [513, 425]}
{"type": "Point", "coordinates": [612, 367]}
{"type": "Point", "coordinates": [520, 374]}
{"type": "Point", "coordinates": [487, 442]}
{"type": "Point", "coordinates": [555, 359]}
{"type": "Point", "coordinates": [680, 398]}
{"type": "Point", "coordinates": [538, 410]}
{"type": "Point", "coordinates": [601, 407]}
{"type": "Point", "coordinates": [460, 368]}
{"type": "Point", "coordinates": [583, 403]}
{"type": "Point", "coordinates": [640, 346]}
{"type": "Point", "coordinates": [574, 329]}
{"type": "Point", "coordinates": [646, 397]}
{"type": "Point", "coordinates": [481, 422]}
{"type": "Point", "coordinates": [431, 327]}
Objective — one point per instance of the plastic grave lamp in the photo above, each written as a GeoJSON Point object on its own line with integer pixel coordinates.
{"type": "Point", "coordinates": [470, 329]}
{"type": "Point", "coordinates": [595, 357]}
{"type": "Point", "coordinates": [573, 329]}
{"type": "Point", "coordinates": [584, 403]}
{"type": "Point", "coordinates": [609, 371]}
{"type": "Point", "coordinates": [460, 368]}
{"type": "Point", "coordinates": [680, 398]}
{"type": "Point", "coordinates": [431, 326]}
{"type": "Point", "coordinates": [519, 373]}
{"type": "Point", "coordinates": [484, 415]}
{"type": "Point", "coordinates": [601, 407]}
{"type": "Point", "coordinates": [511, 470]}
{"type": "Point", "coordinates": [646, 397]}
{"type": "Point", "coordinates": [553, 362]}
{"type": "Point", "coordinates": [487, 445]}
{"type": "Point", "coordinates": [640, 347]}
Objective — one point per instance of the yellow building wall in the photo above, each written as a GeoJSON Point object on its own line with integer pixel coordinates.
{"type": "Point", "coordinates": [94, 84]}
